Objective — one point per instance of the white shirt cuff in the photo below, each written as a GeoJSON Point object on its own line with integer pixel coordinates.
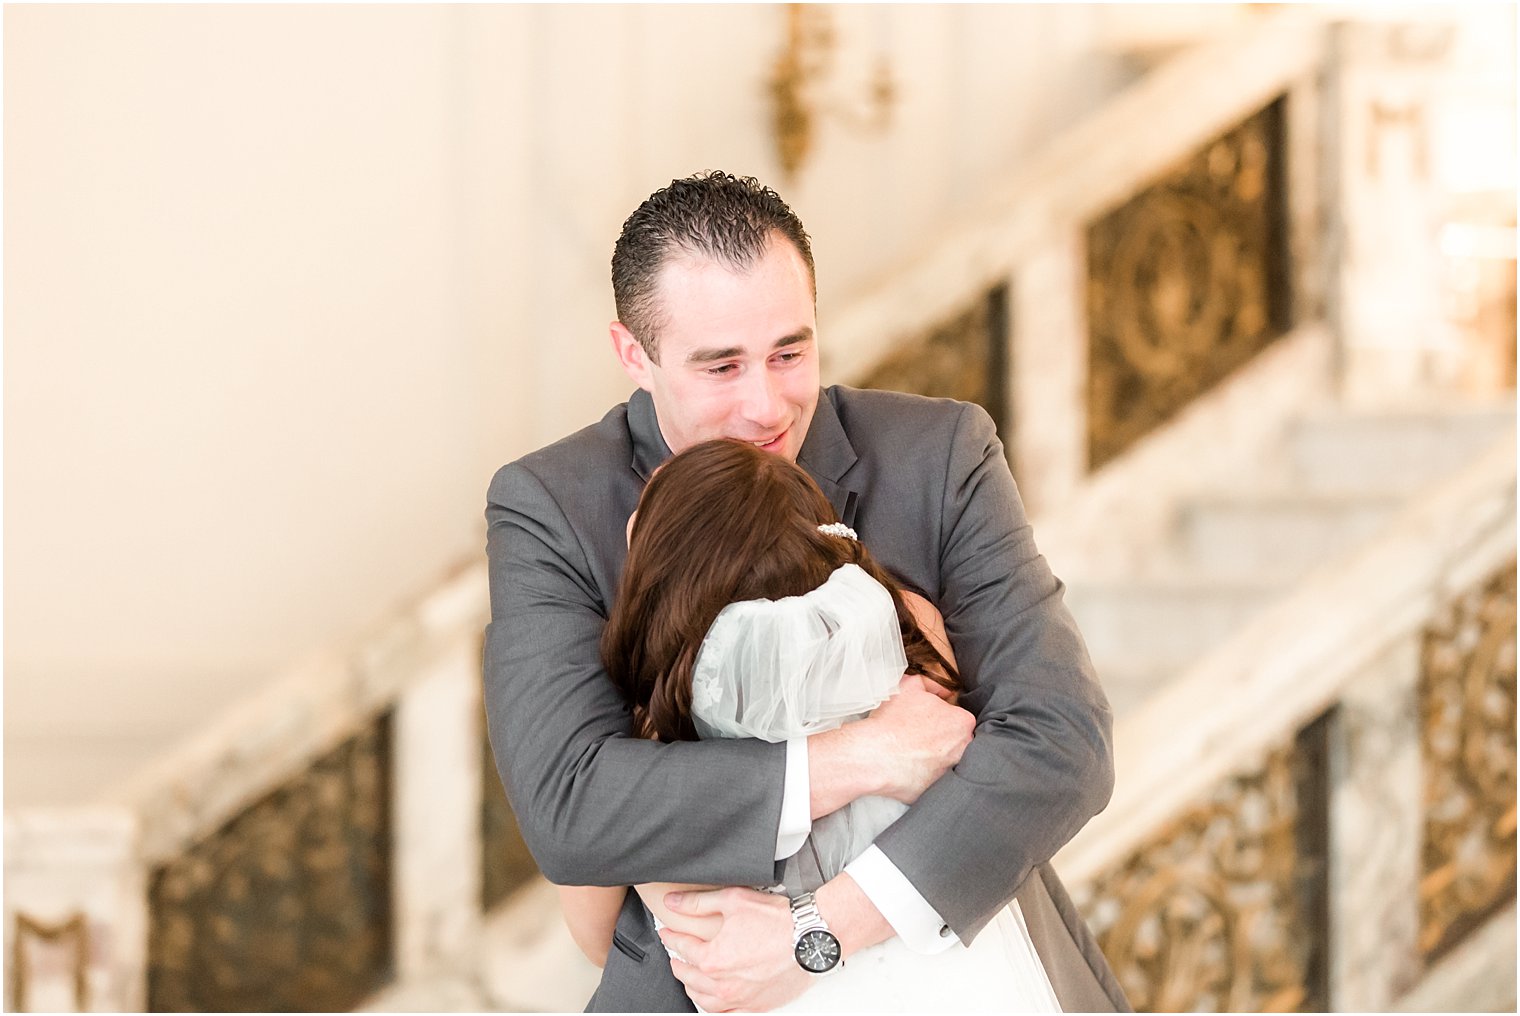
{"type": "Point", "coordinates": [917, 923]}
{"type": "Point", "coordinates": [796, 801]}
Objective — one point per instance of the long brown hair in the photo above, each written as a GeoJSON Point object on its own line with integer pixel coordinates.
{"type": "Point", "coordinates": [719, 523]}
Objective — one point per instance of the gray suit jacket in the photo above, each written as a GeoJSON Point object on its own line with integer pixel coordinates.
{"type": "Point", "coordinates": [925, 483]}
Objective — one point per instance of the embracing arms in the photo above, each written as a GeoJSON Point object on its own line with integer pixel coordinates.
{"type": "Point", "coordinates": [598, 806]}
{"type": "Point", "coordinates": [1041, 763]}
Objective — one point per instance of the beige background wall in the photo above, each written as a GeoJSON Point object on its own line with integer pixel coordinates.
{"type": "Point", "coordinates": [284, 285]}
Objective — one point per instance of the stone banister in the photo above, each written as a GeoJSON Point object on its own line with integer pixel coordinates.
{"type": "Point", "coordinates": [1165, 116]}
{"type": "Point", "coordinates": [1294, 661]}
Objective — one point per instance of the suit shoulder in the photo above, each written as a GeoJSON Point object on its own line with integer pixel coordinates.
{"type": "Point", "coordinates": [583, 459]}
{"type": "Point", "coordinates": [905, 418]}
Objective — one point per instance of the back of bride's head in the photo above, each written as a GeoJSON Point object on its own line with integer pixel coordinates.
{"type": "Point", "coordinates": [721, 522]}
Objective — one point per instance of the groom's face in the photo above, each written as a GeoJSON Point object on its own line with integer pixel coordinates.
{"type": "Point", "coordinates": [738, 354]}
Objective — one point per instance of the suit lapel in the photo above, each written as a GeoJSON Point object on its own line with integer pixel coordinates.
{"type": "Point", "coordinates": [828, 456]}
{"type": "Point", "coordinates": [649, 447]}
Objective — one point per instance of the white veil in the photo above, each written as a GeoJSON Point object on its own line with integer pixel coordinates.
{"type": "Point", "coordinates": [777, 669]}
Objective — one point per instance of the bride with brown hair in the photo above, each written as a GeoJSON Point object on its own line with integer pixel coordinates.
{"type": "Point", "coordinates": [746, 609]}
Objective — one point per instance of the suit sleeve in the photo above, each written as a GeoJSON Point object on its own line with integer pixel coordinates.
{"type": "Point", "coordinates": [596, 805]}
{"type": "Point", "coordinates": [1041, 761]}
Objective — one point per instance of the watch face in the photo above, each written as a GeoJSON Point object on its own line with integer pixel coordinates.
{"type": "Point", "coordinates": [818, 951]}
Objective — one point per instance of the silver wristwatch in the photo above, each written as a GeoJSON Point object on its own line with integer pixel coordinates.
{"type": "Point", "coordinates": [814, 945]}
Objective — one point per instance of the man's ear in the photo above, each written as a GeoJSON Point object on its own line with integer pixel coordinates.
{"type": "Point", "coordinates": [631, 355]}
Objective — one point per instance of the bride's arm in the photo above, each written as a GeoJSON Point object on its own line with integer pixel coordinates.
{"type": "Point", "coordinates": [591, 912]}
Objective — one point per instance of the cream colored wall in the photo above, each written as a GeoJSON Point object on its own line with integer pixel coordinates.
{"type": "Point", "coordinates": [285, 284]}
{"type": "Point", "coordinates": [242, 391]}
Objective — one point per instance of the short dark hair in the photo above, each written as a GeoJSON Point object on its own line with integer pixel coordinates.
{"type": "Point", "coordinates": [715, 216]}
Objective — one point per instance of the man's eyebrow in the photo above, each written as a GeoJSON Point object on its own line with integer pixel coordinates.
{"type": "Point", "coordinates": [728, 352]}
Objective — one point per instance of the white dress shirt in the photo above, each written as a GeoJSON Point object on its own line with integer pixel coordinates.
{"type": "Point", "coordinates": [917, 923]}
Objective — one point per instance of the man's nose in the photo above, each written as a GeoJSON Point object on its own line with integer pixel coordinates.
{"type": "Point", "coordinates": [764, 405]}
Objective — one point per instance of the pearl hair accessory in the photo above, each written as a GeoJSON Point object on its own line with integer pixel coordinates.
{"type": "Point", "coordinates": [839, 529]}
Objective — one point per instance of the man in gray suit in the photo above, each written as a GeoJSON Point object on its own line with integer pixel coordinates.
{"type": "Point", "coordinates": [713, 279]}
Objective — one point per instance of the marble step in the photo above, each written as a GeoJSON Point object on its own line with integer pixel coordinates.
{"type": "Point", "coordinates": [1280, 535]}
{"type": "Point", "coordinates": [1389, 452]}
{"type": "Point", "coordinates": [1161, 625]}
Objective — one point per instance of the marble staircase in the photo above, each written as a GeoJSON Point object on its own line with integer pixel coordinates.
{"type": "Point", "coordinates": [1333, 481]}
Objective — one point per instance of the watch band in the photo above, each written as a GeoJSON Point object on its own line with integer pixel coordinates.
{"type": "Point", "coordinates": [815, 946]}
{"type": "Point", "coordinates": [805, 915]}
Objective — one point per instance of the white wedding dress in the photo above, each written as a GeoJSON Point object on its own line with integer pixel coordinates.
{"type": "Point", "coordinates": [777, 669]}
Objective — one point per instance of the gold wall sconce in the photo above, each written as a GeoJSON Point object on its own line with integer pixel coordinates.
{"type": "Point", "coordinates": [803, 71]}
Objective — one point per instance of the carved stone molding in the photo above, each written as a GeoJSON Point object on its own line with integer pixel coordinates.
{"type": "Point", "coordinates": [288, 906]}
{"type": "Point", "coordinates": [73, 930]}
{"type": "Point", "coordinates": [1186, 281]}
{"type": "Point", "coordinates": [1467, 700]}
{"type": "Point", "coordinates": [1223, 909]}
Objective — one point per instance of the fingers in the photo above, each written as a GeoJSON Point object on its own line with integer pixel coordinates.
{"type": "Point", "coordinates": [688, 949]}
{"type": "Point", "coordinates": [938, 689]}
{"type": "Point", "coordinates": [700, 988]}
{"type": "Point", "coordinates": [704, 902]}
{"type": "Point", "coordinates": [701, 927]}
{"type": "Point", "coordinates": [693, 978]}
{"type": "Point", "coordinates": [707, 1003]}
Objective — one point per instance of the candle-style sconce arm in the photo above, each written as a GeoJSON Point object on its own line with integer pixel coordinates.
{"type": "Point", "coordinates": [801, 70]}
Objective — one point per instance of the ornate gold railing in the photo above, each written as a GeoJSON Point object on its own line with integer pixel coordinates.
{"type": "Point", "coordinates": [964, 358]}
{"type": "Point", "coordinates": [304, 850]}
{"type": "Point", "coordinates": [1186, 281]}
{"type": "Point", "coordinates": [1222, 909]}
{"type": "Point", "coordinates": [287, 906]}
{"type": "Point", "coordinates": [1467, 708]}
{"type": "Point", "coordinates": [1145, 255]}
{"type": "Point", "coordinates": [1205, 877]}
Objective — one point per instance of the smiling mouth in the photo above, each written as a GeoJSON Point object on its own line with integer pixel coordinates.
{"type": "Point", "coordinates": [773, 444]}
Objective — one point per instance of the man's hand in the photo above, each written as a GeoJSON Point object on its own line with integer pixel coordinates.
{"type": "Point", "coordinates": [911, 740]}
{"type": "Point", "coordinates": [748, 964]}
{"type": "Point", "coordinates": [921, 736]}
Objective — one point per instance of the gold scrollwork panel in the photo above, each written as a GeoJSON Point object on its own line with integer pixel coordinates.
{"type": "Point", "coordinates": [1220, 911]}
{"type": "Point", "coordinates": [1467, 704]}
{"type": "Point", "coordinates": [962, 358]}
{"type": "Point", "coordinates": [1187, 281]}
{"type": "Point", "coordinates": [288, 906]}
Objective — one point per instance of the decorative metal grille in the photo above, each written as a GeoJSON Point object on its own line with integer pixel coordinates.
{"type": "Point", "coordinates": [504, 858]}
{"type": "Point", "coordinates": [1467, 705]}
{"type": "Point", "coordinates": [1225, 908]}
{"type": "Point", "coordinates": [964, 358]}
{"type": "Point", "coordinates": [1186, 281]}
{"type": "Point", "coordinates": [288, 907]}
